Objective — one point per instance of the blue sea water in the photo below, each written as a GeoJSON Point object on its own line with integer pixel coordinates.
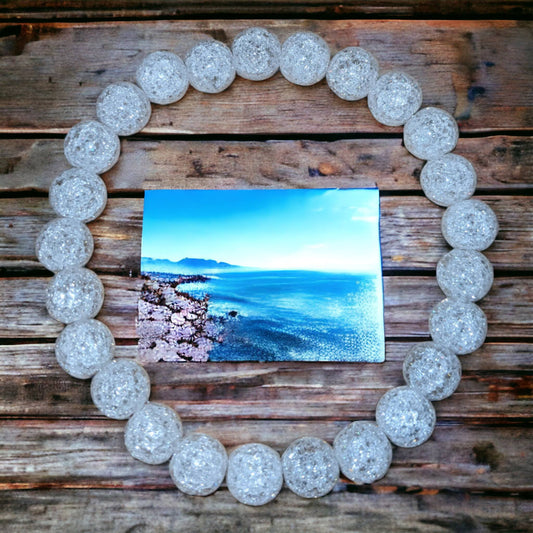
{"type": "Point", "coordinates": [295, 315]}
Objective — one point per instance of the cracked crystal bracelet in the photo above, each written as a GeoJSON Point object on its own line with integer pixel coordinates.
{"type": "Point", "coordinates": [120, 388]}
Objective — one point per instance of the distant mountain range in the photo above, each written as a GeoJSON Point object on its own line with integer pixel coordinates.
{"type": "Point", "coordinates": [188, 265]}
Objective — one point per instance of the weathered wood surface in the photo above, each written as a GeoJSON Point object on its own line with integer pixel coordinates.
{"type": "Point", "coordinates": [410, 233]}
{"type": "Point", "coordinates": [408, 300]}
{"type": "Point", "coordinates": [145, 511]}
{"type": "Point", "coordinates": [474, 474]}
{"type": "Point", "coordinates": [116, 9]}
{"type": "Point", "coordinates": [58, 72]}
{"type": "Point", "coordinates": [503, 163]}
{"type": "Point", "coordinates": [495, 386]}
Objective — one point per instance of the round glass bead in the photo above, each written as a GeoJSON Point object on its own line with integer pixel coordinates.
{"type": "Point", "coordinates": [64, 243]}
{"type": "Point", "coordinates": [84, 347]}
{"type": "Point", "coordinates": [470, 225]}
{"type": "Point", "coordinates": [255, 474]}
{"type": "Point", "coordinates": [465, 275]}
{"type": "Point", "coordinates": [92, 146]}
{"type": "Point", "coordinates": [163, 77]}
{"type": "Point", "coordinates": [352, 72]}
{"type": "Point", "coordinates": [304, 58]}
{"type": "Point", "coordinates": [448, 179]}
{"type": "Point", "coordinates": [199, 464]}
{"type": "Point", "coordinates": [363, 451]}
{"type": "Point", "coordinates": [310, 468]}
{"type": "Point", "coordinates": [74, 294]}
{"type": "Point", "coordinates": [120, 388]}
{"type": "Point", "coordinates": [123, 108]}
{"type": "Point", "coordinates": [433, 372]}
{"type": "Point", "coordinates": [210, 66]}
{"type": "Point", "coordinates": [152, 433]}
{"type": "Point", "coordinates": [394, 98]}
{"type": "Point", "coordinates": [78, 193]}
{"type": "Point", "coordinates": [458, 325]}
{"type": "Point", "coordinates": [430, 133]}
{"type": "Point", "coordinates": [256, 54]}
{"type": "Point", "coordinates": [406, 417]}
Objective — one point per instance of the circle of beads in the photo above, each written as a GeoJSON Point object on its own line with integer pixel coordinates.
{"type": "Point", "coordinates": [120, 388]}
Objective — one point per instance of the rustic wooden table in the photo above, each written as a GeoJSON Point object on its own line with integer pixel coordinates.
{"type": "Point", "coordinates": [63, 466]}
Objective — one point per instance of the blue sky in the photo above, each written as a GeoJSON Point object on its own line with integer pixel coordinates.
{"type": "Point", "coordinates": [328, 230]}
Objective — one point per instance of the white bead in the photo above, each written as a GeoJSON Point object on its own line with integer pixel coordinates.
{"type": "Point", "coordinates": [254, 474]}
{"type": "Point", "coordinates": [304, 58]}
{"type": "Point", "coordinates": [256, 54]}
{"type": "Point", "coordinates": [152, 433]}
{"type": "Point", "coordinates": [199, 464]}
{"type": "Point", "coordinates": [430, 133]}
{"type": "Point", "coordinates": [394, 98]}
{"type": "Point", "coordinates": [210, 66]}
{"type": "Point", "coordinates": [92, 146]}
{"type": "Point", "coordinates": [64, 243]}
{"type": "Point", "coordinates": [465, 275]}
{"type": "Point", "coordinates": [310, 468]}
{"type": "Point", "coordinates": [363, 451]}
{"type": "Point", "coordinates": [448, 179]}
{"type": "Point", "coordinates": [78, 193]}
{"type": "Point", "coordinates": [470, 225]}
{"type": "Point", "coordinates": [120, 388]}
{"type": "Point", "coordinates": [458, 325]}
{"type": "Point", "coordinates": [84, 347]}
{"type": "Point", "coordinates": [432, 371]}
{"type": "Point", "coordinates": [352, 72]}
{"type": "Point", "coordinates": [406, 417]}
{"type": "Point", "coordinates": [74, 294]}
{"type": "Point", "coordinates": [163, 77]}
{"type": "Point", "coordinates": [123, 108]}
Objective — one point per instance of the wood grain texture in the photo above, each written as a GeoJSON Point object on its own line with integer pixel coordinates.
{"type": "Point", "coordinates": [410, 234]}
{"type": "Point", "coordinates": [495, 386]}
{"type": "Point", "coordinates": [116, 9]}
{"type": "Point", "coordinates": [503, 163]}
{"type": "Point", "coordinates": [144, 511]}
{"type": "Point", "coordinates": [58, 72]}
{"type": "Point", "coordinates": [408, 300]}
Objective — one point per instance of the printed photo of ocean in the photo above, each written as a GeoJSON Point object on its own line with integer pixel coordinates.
{"type": "Point", "coordinates": [235, 285]}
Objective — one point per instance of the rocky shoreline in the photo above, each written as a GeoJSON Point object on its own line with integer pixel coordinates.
{"type": "Point", "coordinates": [173, 325]}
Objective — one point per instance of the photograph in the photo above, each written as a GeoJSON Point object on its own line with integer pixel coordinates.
{"type": "Point", "coordinates": [261, 275]}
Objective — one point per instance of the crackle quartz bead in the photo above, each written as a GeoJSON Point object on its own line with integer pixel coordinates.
{"type": "Point", "coordinates": [74, 294]}
{"type": "Point", "coordinates": [78, 193]}
{"type": "Point", "coordinates": [406, 417]}
{"type": "Point", "coordinates": [256, 54]}
{"type": "Point", "coordinates": [432, 371]}
{"type": "Point", "coordinates": [163, 77]}
{"type": "Point", "coordinates": [448, 179]}
{"type": "Point", "coordinates": [458, 325]}
{"type": "Point", "coordinates": [394, 98]}
{"type": "Point", "coordinates": [120, 388]}
{"type": "Point", "coordinates": [430, 133]}
{"type": "Point", "coordinates": [64, 243]}
{"type": "Point", "coordinates": [199, 464]}
{"type": "Point", "coordinates": [465, 275]}
{"type": "Point", "coordinates": [304, 58]}
{"type": "Point", "coordinates": [84, 347]}
{"type": "Point", "coordinates": [210, 66]}
{"type": "Point", "coordinates": [363, 451]}
{"type": "Point", "coordinates": [469, 224]}
{"type": "Point", "coordinates": [152, 433]}
{"type": "Point", "coordinates": [352, 72]}
{"type": "Point", "coordinates": [255, 474]}
{"type": "Point", "coordinates": [92, 146]}
{"type": "Point", "coordinates": [310, 468]}
{"type": "Point", "coordinates": [123, 108]}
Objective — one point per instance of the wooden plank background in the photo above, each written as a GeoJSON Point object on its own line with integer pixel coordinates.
{"type": "Point", "coordinates": [63, 466]}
